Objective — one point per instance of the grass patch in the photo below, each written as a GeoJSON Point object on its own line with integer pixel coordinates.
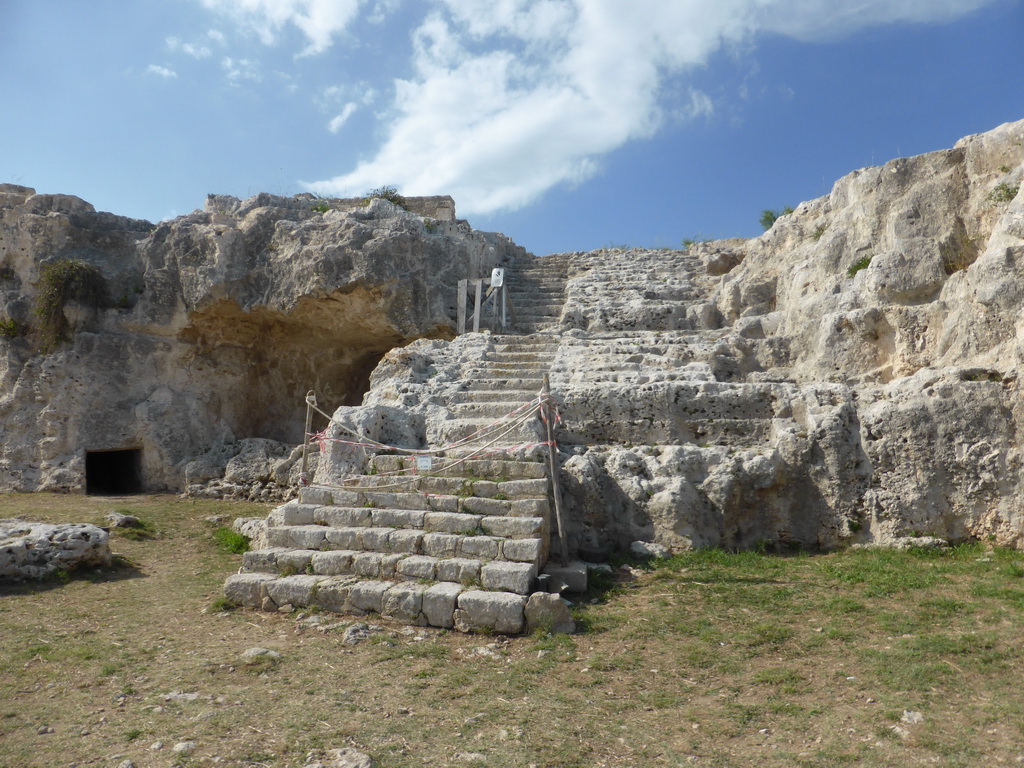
{"type": "Point", "coordinates": [858, 265]}
{"type": "Point", "coordinates": [231, 541]}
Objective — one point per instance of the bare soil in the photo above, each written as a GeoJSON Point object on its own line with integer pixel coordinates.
{"type": "Point", "coordinates": [708, 659]}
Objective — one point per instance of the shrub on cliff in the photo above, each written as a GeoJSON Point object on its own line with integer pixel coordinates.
{"type": "Point", "coordinates": [60, 282]}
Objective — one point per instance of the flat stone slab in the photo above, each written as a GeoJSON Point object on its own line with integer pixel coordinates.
{"type": "Point", "coordinates": [38, 550]}
{"type": "Point", "coordinates": [490, 611]}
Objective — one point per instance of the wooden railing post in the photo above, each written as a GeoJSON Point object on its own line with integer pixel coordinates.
{"type": "Point", "coordinates": [461, 303]}
{"type": "Point", "coordinates": [310, 404]}
{"type": "Point", "coordinates": [556, 485]}
{"type": "Point", "coordinates": [479, 284]}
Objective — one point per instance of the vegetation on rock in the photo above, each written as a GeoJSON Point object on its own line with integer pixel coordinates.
{"type": "Point", "coordinates": [388, 193]}
{"type": "Point", "coordinates": [60, 282]}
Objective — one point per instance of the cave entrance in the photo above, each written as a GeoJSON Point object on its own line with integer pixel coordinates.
{"type": "Point", "coordinates": [113, 473]}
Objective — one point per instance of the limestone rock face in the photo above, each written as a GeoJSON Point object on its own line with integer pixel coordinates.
{"type": "Point", "coordinates": [216, 325]}
{"type": "Point", "coordinates": [851, 376]}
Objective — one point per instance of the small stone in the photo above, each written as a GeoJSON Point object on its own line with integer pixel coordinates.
{"type": "Point", "coordinates": [356, 634]}
{"type": "Point", "coordinates": [156, 746]}
{"type": "Point", "coordinates": [912, 717]}
{"type": "Point", "coordinates": [184, 747]}
{"type": "Point", "coordinates": [341, 758]}
{"type": "Point", "coordinates": [118, 520]}
{"type": "Point", "coordinates": [126, 764]}
{"type": "Point", "coordinates": [260, 653]}
{"type": "Point", "coordinates": [648, 550]}
{"type": "Point", "coordinates": [44, 729]}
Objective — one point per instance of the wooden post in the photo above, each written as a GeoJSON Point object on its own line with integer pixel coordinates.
{"type": "Point", "coordinates": [476, 308]}
{"type": "Point", "coordinates": [556, 486]}
{"type": "Point", "coordinates": [461, 303]}
{"type": "Point", "coordinates": [504, 307]}
{"type": "Point", "coordinates": [310, 402]}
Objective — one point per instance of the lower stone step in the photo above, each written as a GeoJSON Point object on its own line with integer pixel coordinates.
{"type": "Point", "coordinates": [442, 604]}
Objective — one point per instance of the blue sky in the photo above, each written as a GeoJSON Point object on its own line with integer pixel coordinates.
{"type": "Point", "coordinates": [565, 124]}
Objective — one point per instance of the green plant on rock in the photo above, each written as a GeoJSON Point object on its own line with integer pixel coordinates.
{"type": "Point", "coordinates": [60, 282]}
{"type": "Point", "coordinates": [768, 216]}
{"type": "Point", "coordinates": [12, 329]}
{"type": "Point", "coordinates": [858, 265]}
{"type": "Point", "coordinates": [819, 231]}
{"type": "Point", "coordinates": [388, 193]}
{"type": "Point", "coordinates": [320, 207]}
{"type": "Point", "coordinates": [431, 225]}
{"type": "Point", "coordinates": [1003, 193]}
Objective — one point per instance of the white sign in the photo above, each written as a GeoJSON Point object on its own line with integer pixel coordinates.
{"type": "Point", "coordinates": [497, 277]}
{"type": "Point", "coordinates": [424, 463]}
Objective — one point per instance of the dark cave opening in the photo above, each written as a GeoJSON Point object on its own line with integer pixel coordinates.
{"type": "Point", "coordinates": [113, 473]}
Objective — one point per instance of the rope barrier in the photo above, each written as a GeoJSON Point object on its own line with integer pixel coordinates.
{"type": "Point", "coordinates": [503, 426]}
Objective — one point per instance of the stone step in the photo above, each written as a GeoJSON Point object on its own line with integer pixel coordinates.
{"type": "Point", "coordinates": [471, 468]}
{"type": "Point", "coordinates": [442, 604]}
{"type": "Point", "coordinates": [346, 510]}
{"type": "Point", "coordinates": [506, 395]}
{"type": "Point", "coordinates": [482, 410]}
{"type": "Point", "coordinates": [437, 542]}
{"type": "Point", "coordinates": [442, 491]}
{"type": "Point", "coordinates": [452, 430]}
{"type": "Point", "coordinates": [516, 578]}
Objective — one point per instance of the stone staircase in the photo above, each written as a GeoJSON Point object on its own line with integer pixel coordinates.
{"type": "Point", "coordinates": [460, 543]}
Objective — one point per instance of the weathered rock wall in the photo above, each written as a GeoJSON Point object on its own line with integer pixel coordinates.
{"type": "Point", "coordinates": [218, 323]}
{"type": "Point", "coordinates": [851, 376]}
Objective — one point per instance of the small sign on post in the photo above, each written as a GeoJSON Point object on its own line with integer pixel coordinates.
{"type": "Point", "coordinates": [497, 277]}
{"type": "Point", "coordinates": [424, 463]}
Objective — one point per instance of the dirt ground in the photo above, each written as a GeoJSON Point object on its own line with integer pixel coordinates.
{"type": "Point", "coordinates": [708, 659]}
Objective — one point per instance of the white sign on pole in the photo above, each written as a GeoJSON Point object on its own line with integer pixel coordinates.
{"type": "Point", "coordinates": [424, 463]}
{"type": "Point", "coordinates": [497, 277]}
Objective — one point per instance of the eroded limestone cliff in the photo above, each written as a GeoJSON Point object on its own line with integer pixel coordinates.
{"type": "Point", "coordinates": [214, 326]}
{"type": "Point", "coordinates": [850, 376]}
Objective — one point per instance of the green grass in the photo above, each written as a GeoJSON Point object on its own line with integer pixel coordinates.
{"type": "Point", "coordinates": [705, 658]}
{"type": "Point", "coordinates": [231, 541]}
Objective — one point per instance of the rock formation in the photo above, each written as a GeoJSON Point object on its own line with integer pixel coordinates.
{"type": "Point", "coordinates": [211, 329]}
{"type": "Point", "coordinates": [851, 376]}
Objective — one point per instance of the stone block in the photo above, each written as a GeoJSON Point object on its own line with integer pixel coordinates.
{"type": "Point", "coordinates": [522, 550]}
{"type": "Point", "coordinates": [366, 564]}
{"type": "Point", "coordinates": [332, 562]}
{"type": "Point", "coordinates": [344, 538]}
{"type": "Point", "coordinates": [450, 522]}
{"type": "Point", "coordinates": [262, 560]}
{"type": "Point", "coordinates": [513, 527]}
{"type": "Point", "coordinates": [279, 538]}
{"type": "Point", "coordinates": [490, 611]}
{"type": "Point", "coordinates": [307, 536]}
{"type": "Point", "coordinates": [440, 544]}
{"type": "Point", "coordinates": [244, 588]}
{"type": "Point", "coordinates": [443, 503]}
{"type": "Point", "coordinates": [405, 540]}
{"type": "Point", "coordinates": [508, 577]}
{"type": "Point", "coordinates": [548, 612]}
{"type": "Point", "coordinates": [439, 604]}
{"type": "Point", "coordinates": [333, 594]}
{"type": "Point", "coordinates": [404, 602]}
{"type": "Point", "coordinates": [417, 567]}
{"type": "Point", "coordinates": [530, 508]}
{"type": "Point", "coordinates": [389, 565]}
{"type": "Point", "coordinates": [397, 518]}
{"type": "Point", "coordinates": [480, 506]}
{"type": "Point", "coordinates": [292, 590]}
{"type": "Point", "coordinates": [342, 517]}
{"type": "Point", "coordinates": [375, 538]}
{"type": "Point", "coordinates": [294, 560]}
{"type": "Point", "coordinates": [368, 595]}
{"type": "Point", "coordinates": [573, 575]}
{"type": "Point", "coordinates": [484, 547]}
{"type": "Point", "coordinates": [316, 496]}
{"type": "Point", "coordinates": [460, 570]}
{"type": "Point", "coordinates": [292, 513]}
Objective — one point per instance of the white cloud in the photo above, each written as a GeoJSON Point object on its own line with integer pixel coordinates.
{"type": "Point", "coordinates": [163, 72]}
{"type": "Point", "coordinates": [509, 98]}
{"type": "Point", "coordinates": [339, 120]}
{"type": "Point", "coordinates": [240, 69]}
{"type": "Point", "coordinates": [319, 20]}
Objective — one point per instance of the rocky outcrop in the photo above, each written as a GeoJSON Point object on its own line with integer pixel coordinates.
{"type": "Point", "coordinates": [851, 376]}
{"type": "Point", "coordinates": [40, 550]}
{"type": "Point", "coordinates": [213, 327]}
